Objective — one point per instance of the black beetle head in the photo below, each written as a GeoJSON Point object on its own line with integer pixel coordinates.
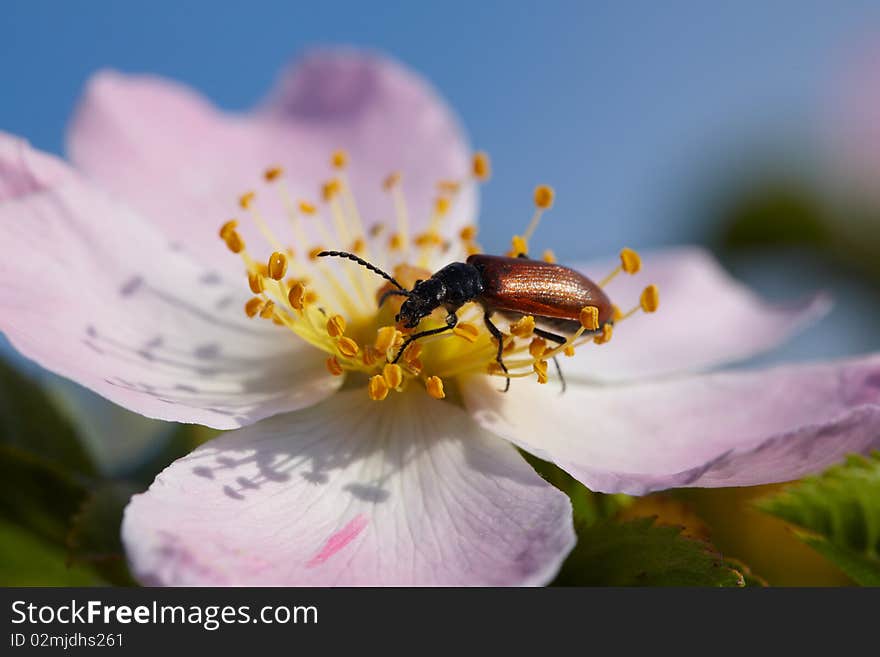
{"type": "Point", "coordinates": [421, 302]}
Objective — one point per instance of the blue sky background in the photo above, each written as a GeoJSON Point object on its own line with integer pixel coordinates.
{"type": "Point", "coordinates": [621, 106]}
{"type": "Point", "coordinates": [627, 108]}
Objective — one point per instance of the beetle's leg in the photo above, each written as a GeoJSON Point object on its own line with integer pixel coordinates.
{"type": "Point", "coordinates": [499, 336]}
{"type": "Point", "coordinates": [392, 293]}
{"type": "Point", "coordinates": [558, 339]}
{"type": "Point", "coordinates": [451, 321]}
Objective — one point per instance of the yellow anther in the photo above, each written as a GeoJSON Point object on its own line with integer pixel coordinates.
{"type": "Point", "coordinates": [247, 199]}
{"type": "Point", "coordinates": [339, 159]}
{"type": "Point", "coordinates": [467, 331]}
{"type": "Point", "coordinates": [347, 347]}
{"type": "Point", "coordinates": [412, 352]}
{"type": "Point", "coordinates": [234, 242]}
{"type": "Point", "coordinates": [616, 313]}
{"type": "Point", "coordinates": [518, 245]}
{"type": "Point", "coordinates": [358, 246]}
{"type": "Point", "coordinates": [336, 326]}
{"type": "Point", "coordinates": [393, 375]}
{"type": "Point", "coordinates": [313, 253]}
{"type": "Point", "coordinates": [590, 318]}
{"type": "Point", "coordinates": [568, 351]}
{"type": "Point", "coordinates": [330, 189]}
{"type": "Point", "coordinates": [434, 386]}
{"type": "Point", "coordinates": [429, 238]}
{"type": "Point", "coordinates": [448, 186]}
{"type": "Point", "coordinates": [295, 296]}
{"type": "Point", "coordinates": [509, 344]}
{"type": "Point", "coordinates": [415, 365]}
{"type": "Point", "coordinates": [473, 249]}
{"type": "Point", "coordinates": [605, 335]}
{"type": "Point", "coordinates": [391, 181]}
{"type": "Point", "coordinates": [310, 297]}
{"type": "Point", "coordinates": [307, 208]}
{"type": "Point", "coordinates": [277, 265]}
{"type": "Point", "coordinates": [370, 355]}
{"type": "Point", "coordinates": [494, 368]}
{"type": "Point", "coordinates": [442, 205]}
{"type": "Point", "coordinates": [273, 173]}
{"type": "Point", "coordinates": [544, 196]}
{"type": "Point", "coordinates": [277, 320]}
{"type": "Point", "coordinates": [377, 388]}
{"type": "Point", "coordinates": [523, 327]}
{"type": "Point", "coordinates": [548, 256]}
{"type": "Point", "coordinates": [650, 299]}
{"type": "Point", "coordinates": [255, 281]}
{"type": "Point", "coordinates": [468, 233]}
{"type": "Point", "coordinates": [253, 306]}
{"type": "Point", "coordinates": [262, 269]}
{"type": "Point", "coordinates": [630, 261]}
{"type": "Point", "coordinates": [228, 228]}
{"type": "Point", "coordinates": [481, 166]}
{"type": "Point", "coordinates": [540, 368]}
{"type": "Point", "coordinates": [268, 311]}
{"type": "Point", "coordinates": [333, 366]}
{"type": "Point", "coordinates": [395, 242]}
{"type": "Point", "coordinates": [385, 337]}
{"type": "Point", "coordinates": [537, 347]}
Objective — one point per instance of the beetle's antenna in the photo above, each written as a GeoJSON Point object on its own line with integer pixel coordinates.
{"type": "Point", "coordinates": [364, 263]}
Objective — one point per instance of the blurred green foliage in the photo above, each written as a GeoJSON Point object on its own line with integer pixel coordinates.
{"type": "Point", "coordinates": [59, 515]}
{"type": "Point", "coordinates": [838, 515]}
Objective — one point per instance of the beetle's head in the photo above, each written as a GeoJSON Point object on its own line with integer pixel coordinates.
{"type": "Point", "coordinates": [421, 302]}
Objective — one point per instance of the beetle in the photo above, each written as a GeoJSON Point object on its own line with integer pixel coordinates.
{"type": "Point", "coordinates": [551, 293]}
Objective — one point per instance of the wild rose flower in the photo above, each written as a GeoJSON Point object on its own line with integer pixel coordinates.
{"type": "Point", "coordinates": [371, 472]}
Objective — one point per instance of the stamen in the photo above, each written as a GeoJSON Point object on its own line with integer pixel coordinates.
{"type": "Point", "coordinates": [307, 208]}
{"type": "Point", "coordinates": [412, 352]}
{"type": "Point", "coordinates": [339, 159]}
{"type": "Point", "coordinates": [434, 386]}
{"type": "Point", "coordinates": [517, 246]}
{"type": "Point", "coordinates": [253, 306]}
{"type": "Point", "coordinates": [540, 368]}
{"type": "Point", "coordinates": [630, 262]}
{"type": "Point", "coordinates": [650, 299]}
{"type": "Point", "coordinates": [385, 338]}
{"type": "Point", "coordinates": [273, 173]}
{"type": "Point", "coordinates": [228, 228]}
{"type": "Point", "coordinates": [467, 331]}
{"type": "Point", "coordinates": [549, 256]}
{"type": "Point", "coordinates": [377, 388]}
{"type": "Point", "coordinates": [481, 166]}
{"type": "Point", "coordinates": [590, 318]}
{"type": "Point", "coordinates": [255, 282]}
{"type": "Point", "coordinates": [370, 355]}
{"type": "Point", "coordinates": [524, 327]}
{"type": "Point", "coordinates": [543, 196]}
{"type": "Point", "coordinates": [537, 347]}
{"type": "Point", "coordinates": [605, 335]}
{"type": "Point", "coordinates": [468, 233]}
{"type": "Point", "coordinates": [393, 375]}
{"type": "Point", "coordinates": [392, 185]}
{"type": "Point", "coordinates": [336, 326]}
{"type": "Point", "coordinates": [347, 347]}
{"type": "Point", "coordinates": [246, 200]}
{"type": "Point", "coordinates": [295, 296]}
{"type": "Point", "coordinates": [333, 366]}
{"type": "Point", "coordinates": [268, 311]}
{"type": "Point", "coordinates": [277, 265]}
{"type": "Point", "coordinates": [234, 242]}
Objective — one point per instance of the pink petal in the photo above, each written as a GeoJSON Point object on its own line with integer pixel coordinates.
{"type": "Point", "coordinates": [408, 491]}
{"type": "Point", "coordinates": [184, 163]}
{"type": "Point", "coordinates": [705, 319]}
{"type": "Point", "coordinates": [727, 429]}
{"type": "Point", "coordinates": [91, 292]}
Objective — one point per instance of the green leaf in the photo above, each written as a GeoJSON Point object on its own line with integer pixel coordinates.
{"type": "Point", "coordinates": [589, 507]}
{"type": "Point", "coordinates": [639, 553]}
{"type": "Point", "coordinates": [94, 537]}
{"type": "Point", "coordinates": [30, 422]}
{"type": "Point", "coordinates": [839, 513]}
{"type": "Point", "coordinates": [26, 559]}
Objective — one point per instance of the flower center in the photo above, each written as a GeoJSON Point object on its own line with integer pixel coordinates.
{"type": "Point", "coordinates": [347, 310]}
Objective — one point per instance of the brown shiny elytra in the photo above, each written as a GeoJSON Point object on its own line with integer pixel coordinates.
{"type": "Point", "coordinates": [549, 292]}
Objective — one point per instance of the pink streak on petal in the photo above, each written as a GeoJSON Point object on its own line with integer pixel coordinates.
{"type": "Point", "coordinates": [339, 540]}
